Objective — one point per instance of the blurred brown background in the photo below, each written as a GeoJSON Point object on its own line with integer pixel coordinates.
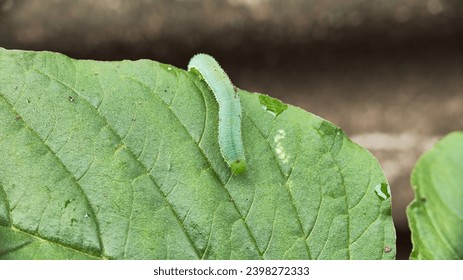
{"type": "Point", "coordinates": [390, 73]}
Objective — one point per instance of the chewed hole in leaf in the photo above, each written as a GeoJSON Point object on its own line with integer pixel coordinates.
{"type": "Point", "coordinates": [272, 105]}
{"type": "Point", "coordinates": [383, 191]}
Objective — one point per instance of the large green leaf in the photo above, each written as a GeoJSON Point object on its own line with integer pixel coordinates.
{"type": "Point", "coordinates": [120, 160]}
{"type": "Point", "coordinates": [436, 213]}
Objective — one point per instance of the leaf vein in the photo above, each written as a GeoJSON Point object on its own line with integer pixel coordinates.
{"type": "Point", "coordinates": [65, 168]}
{"type": "Point", "coordinates": [209, 163]}
{"type": "Point", "coordinates": [131, 153]}
{"type": "Point", "coordinates": [285, 177]}
{"type": "Point", "coordinates": [336, 164]}
{"type": "Point", "coordinates": [440, 234]}
{"type": "Point", "coordinates": [3, 194]}
{"type": "Point", "coordinates": [15, 248]}
{"type": "Point", "coordinates": [56, 243]}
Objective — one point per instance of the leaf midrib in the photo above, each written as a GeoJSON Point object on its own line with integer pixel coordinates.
{"type": "Point", "coordinates": [74, 179]}
{"type": "Point", "coordinates": [216, 175]}
{"type": "Point", "coordinates": [198, 254]}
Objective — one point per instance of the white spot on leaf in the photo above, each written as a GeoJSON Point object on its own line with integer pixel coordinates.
{"type": "Point", "coordinates": [279, 149]}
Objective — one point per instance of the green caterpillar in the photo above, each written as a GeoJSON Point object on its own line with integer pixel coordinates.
{"type": "Point", "coordinates": [230, 141]}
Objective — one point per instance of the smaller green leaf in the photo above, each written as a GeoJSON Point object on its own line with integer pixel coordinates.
{"type": "Point", "coordinates": [436, 213]}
